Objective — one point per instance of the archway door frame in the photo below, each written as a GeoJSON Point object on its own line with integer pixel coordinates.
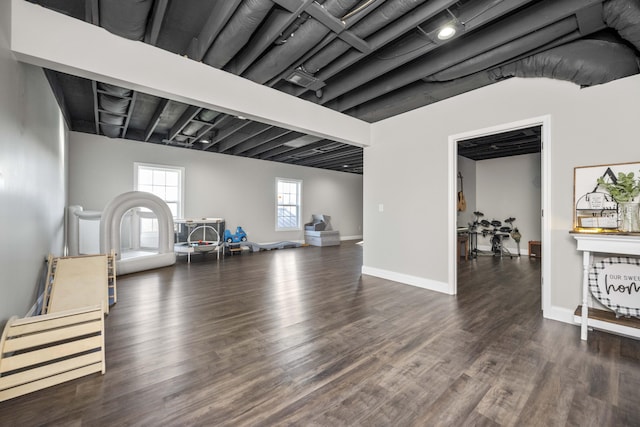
{"type": "Point", "coordinates": [545, 174]}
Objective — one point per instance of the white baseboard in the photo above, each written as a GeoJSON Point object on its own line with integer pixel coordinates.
{"type": "Point", "coordinates": [358, 237]}
{"type": "Point", "coordinates": [561, 314]}
{"type": "Point", "coordinates": [407, 279]}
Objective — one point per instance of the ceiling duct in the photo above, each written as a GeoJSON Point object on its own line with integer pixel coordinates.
{"type": "Point", "coordinates": [113, 105]}
{"type": "Point", "coordinates": [303, 79]}
{"type": "Point", "coordinates": [310, 33]}
{"type": "Point", "coordinates": [381, 17]}
{"type": "Point", "coordinates": [508, 51]}
{"type": "Point", "coordinates": [193, 127]}
{"type": "Point", "coordinates": [624, 17]}
{"type": "Point", "coordinates": [125, 18]}
{"type": "Point", "coordinates": [237, 32]}
{"type": "Point", "coordinates": [539, 17]}
{"type": "Point", "coordinates": [584, 62]}
{"type": "Point", "coordinates": [413, 45]}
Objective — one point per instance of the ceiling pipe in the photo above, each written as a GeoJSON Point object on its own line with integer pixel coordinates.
{"type": "Point", "coordinates": [583, 62]}
{"type": "Point", "coordinates": [263, 138]}
{"type": "Point", "coordinates": [532, 19]}
{"type": "Point", "coordinates": [125, 18]}
{"type": "Point", "coordinates": [282, 56]}
{"type": "Point", "coordinates": [247, 17]}
{"type": "Point", "coordinates": [193, 127]}
{"type": "Point", "coordinates": [414, 45]}
{"type": "Point", "coordinates": [376, 41]}
{"type": "Point", "coordinates": [624, 17]}
{"type": "Point", "coordinates": [262, 148]}
{"type": "Point", "coordinates": [113, 103]}
{"type": "Point", "coordinates": [508, 50]}
{"type": "Point", "coordinates": [388, 12]}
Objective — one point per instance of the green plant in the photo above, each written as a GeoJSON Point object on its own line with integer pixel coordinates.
{"type": "Point", "coordinates": [625, 189]}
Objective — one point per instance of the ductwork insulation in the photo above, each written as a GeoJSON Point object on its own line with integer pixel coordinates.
{"type": "Point", "coordinates": [381, 17]}
{"type": "Point", "coordinates": [536, 18]}
{"type": "Point", "coordinates": [115, 104]}
{"type": "Point", "coordinates": [507, 51]}
{"type": "Point", "coordinates": [624, 17]}
{"type": "Point", "coordinates": [237, 32]}
{"type": "Point", "coordinates": [125, 18]}
{"type": "Point", "coordinates": [280, 57]}
{"type": "Point", "coordinates": [584, 62]}
{"type": "Point", "coordinates": [193, 127]}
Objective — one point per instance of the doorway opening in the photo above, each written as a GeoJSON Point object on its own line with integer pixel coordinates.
{"type": "Point", "coordinates": [481, 150]}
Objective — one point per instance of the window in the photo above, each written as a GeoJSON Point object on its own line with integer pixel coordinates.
{"type": "Point", "coordinates": [166, 183]}
{"type": "Point", "coordinates": [288, 204]}
{"type": "Point", "coordinates": [163, 181]}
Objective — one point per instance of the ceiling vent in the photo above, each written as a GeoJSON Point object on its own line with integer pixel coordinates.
{"type": "Point", "coordinates": [303, 79]}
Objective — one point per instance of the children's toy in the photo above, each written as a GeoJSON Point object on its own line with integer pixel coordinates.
{"type": "Point", "coordinates": [239, 236]}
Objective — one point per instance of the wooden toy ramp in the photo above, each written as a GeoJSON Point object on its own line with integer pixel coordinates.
{"type": "Point", "coordinates": [42, 351]}
{"type": "Point", "coordinates": [66, 341]}
{"type": "Point", "coordinates": [80, 281]}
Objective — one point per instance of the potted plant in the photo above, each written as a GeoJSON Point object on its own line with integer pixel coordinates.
{"type": "Point", "coordinates": [625, 190]}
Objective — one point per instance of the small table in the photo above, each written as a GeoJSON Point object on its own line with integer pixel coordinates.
{"type": "Point", "coordinates": [463, 246]}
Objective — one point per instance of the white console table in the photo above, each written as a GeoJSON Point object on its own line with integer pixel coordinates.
{"type": "Point", "coordinates": [606, 243]}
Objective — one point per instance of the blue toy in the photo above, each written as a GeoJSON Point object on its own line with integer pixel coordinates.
{"type": "Point", "coordinates": [239, 236]}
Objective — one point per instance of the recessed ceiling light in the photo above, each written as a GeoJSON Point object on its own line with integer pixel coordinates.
{"type": "Point", "coordinates": [446, 32]}
{"type": "Point", "coordinates": [241, 117]}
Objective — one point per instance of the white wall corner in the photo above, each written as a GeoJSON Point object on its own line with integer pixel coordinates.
{"type": "Point", "coordinates": [559, 314]}
{"type": "Point", "coordinates": [407, 279]}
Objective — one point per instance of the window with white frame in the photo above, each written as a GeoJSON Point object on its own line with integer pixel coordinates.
{"type": "Point", "coordinates": [288, 204]}
{"type": "Point", "coordinates": [166, 183]}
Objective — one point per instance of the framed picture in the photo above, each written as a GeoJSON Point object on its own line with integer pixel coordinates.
{"type": "Point", "coordinates": [594, 208]}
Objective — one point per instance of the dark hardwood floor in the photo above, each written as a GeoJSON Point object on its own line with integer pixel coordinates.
{"type": "Point", "coordinates": [299, 337]}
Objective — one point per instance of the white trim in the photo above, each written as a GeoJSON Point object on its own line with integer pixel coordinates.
{"type": "Point", "coordinates": [407, 279]}
{"type": "Point", "coordinates": [559, 314]}
{"type": "Point", "coordinates": [545, 122]}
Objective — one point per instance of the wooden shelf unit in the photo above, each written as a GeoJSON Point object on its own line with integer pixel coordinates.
{"type": "Point", "coordinates": [605, 243]}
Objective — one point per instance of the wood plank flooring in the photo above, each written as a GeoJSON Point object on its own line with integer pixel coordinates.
{"type": "Point", "coordinates": [299, 337]}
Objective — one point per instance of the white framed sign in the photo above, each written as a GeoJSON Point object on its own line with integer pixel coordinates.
{"type": "Point", "coordinates": [615, 282]}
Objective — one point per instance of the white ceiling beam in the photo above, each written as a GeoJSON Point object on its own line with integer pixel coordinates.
{"type": "Point", "coordinates": [52, 40]}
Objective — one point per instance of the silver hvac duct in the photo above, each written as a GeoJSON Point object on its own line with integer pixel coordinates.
{"type": "Point", "coordinates": [584, 62]}
{"type": "Point", "coordinates": [538, 17]}
{"type": "Point", "coordinates": [381, 17]}
{"type": "Point", "coordinates": [114, 102]}
{"type": "Point", "coordinates": [237, 32]}
{"type": "Point", "coordinates": [193, 127]}
{"type": "Point", "coordinates": [125, 18]}
{"type": "Point", "coordinates": [624, 17]}
{"type": "Point", "coordinates": [282, 56]}
{"type": "Point", "coordinates": [384, 61]}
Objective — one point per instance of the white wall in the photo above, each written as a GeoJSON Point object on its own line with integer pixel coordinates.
{"type": "Point", "coordinates": [32, 178]}
{"type": "Point", "coordinates": [240, 190]}
{"type": "Point", "coordinates": [510, 187]}
{"type": "Point", "coordinates": [588, 126]}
